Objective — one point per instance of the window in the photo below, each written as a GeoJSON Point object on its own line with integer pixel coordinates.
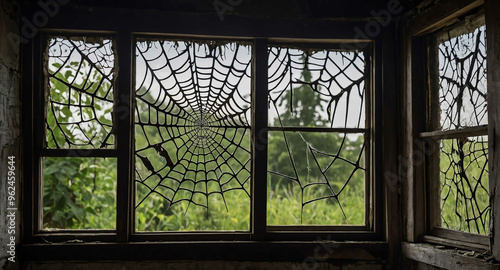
{"type": "Point", "coordinates": [457, 133]}
{"type": "Point", "coordinates": [224, 133]}
{"type": "Point", "coordinates": [78, 191]}
{"type": "Point", "coordinates": [318, 137]}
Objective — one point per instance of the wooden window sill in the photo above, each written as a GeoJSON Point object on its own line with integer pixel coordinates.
{"type": "Point", "coordinates": [448, 258]}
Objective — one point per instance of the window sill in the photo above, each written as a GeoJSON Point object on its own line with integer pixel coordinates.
{"type": "Point", "coordinates": [208, 250]}
{"type": "Point", "coordinates": [448, 258]}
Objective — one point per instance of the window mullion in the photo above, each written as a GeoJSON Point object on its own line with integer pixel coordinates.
{"type": "Point", "coordinates": [493, 77]}
{"type": "Point", "coordinates": [259, 139]}
{"type": "Point", "coordinates": [123, 136]}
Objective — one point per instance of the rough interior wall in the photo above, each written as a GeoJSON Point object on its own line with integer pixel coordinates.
{"type": "Point", "coordinates": [10, 127]}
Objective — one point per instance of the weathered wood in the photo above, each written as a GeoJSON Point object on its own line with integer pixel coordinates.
{"type": "Point", "coordinates": [455, 243]}
{"type": "Point", "coordinates": [320, 129]}
{"type": "Point", "coordinates": [461, 236]}
{"type": "Point", "coordinates": [440, 15]}
{"type": "Point", "coordinates": [79, 152]}
{"type": "Point", "coordinates": [259, 140]}
{"type": "Point", "coordinates": [390, 108]}
{"type": "Point", "coordinates": [182, 23]}
{"type": "Point", "coordinates": [415, 152]}
{"type": "Point", "coordinates": [456, 133]}
{"type": "Point", "coordinates": [445, 258]}
{"type": "Point", "coordinates": [493, 63]}
{"type": "Point", "coordinates": [124, 128]}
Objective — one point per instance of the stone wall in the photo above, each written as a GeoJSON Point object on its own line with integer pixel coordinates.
{"type": "Point", "coordinates": [10, 119]}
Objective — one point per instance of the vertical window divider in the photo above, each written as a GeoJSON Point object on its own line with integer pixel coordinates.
{"type": "Point", "coordinates": [493, 86]}
{"type": "Point", "coordinates": [39, 127]}
{"type": "Point", "coordinates": [259, 139]}
{"type": "Point", "coordinates": [123, 118]}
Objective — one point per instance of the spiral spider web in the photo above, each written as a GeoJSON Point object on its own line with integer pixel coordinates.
{"type": "Point", "coordinates": [192, 122]}
{"type": "Point", "coordinates": [330, 84]}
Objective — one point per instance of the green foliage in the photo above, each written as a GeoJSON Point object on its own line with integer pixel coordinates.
{"type": "Point", "coordinates": [79, 193]}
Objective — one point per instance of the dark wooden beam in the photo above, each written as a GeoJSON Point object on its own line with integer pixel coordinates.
{"type": "Point", "coordinates": [441, 14]}
{"type": "Point", "coordinates": [390, 111]}
{"type": "Point", "coordinates": [124, 128]}
{"type": "Point", "coordinates": [493, 63]}
{"type": "Point", "coordinates": [182, 23]}
{"type": "Point", "coordinates": [215, 250]}
{"type": "Point", "coordinates": [259, 140]}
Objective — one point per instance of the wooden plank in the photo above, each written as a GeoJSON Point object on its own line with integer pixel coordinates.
{"type": "Point", "coordinates": [259, 140]}
{"type": "Point", "coordinates": [455, 243]}
{"type": "Point", "coordinates": [274, 228]}
{"type": "Point", "coordinates": [461, 236]}
{"type": "Point", "coordinates": [416, 158]}
{"type": "Point", "coordinates": [455, 133]}
{"type": "Point", "coordinates": [493, 62]}
{"type": "Point", "coordinates": [39, 92]}
{"type": "Point", "coordinates": [405, 176]}
{"type": "Point", "coordinates": [390, 108]}
{"type": "Point", "coordinates": [375, 186]}
{"type": "Point", "coordinates": [320, 129]}
{"type": "Point", "coordinates": [441, 14]}
{"type": "Point", "coordinates": [79, 153]}
{"type": "Point", "coordinates": [124, 128]}
{"type": "Point", "coordinates": [433, 110]}
{"type": "Point", "coordinates": [444, 258]}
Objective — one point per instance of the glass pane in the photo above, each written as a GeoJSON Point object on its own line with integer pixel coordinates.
{"type": "Point", "coordinates": [192, 135]}
{"type": "Point", "coordinates": [462, 80]}
{"type": "Point", "coordinates": [316, 88]}
{"type": "Point", "coordinates": [465, 185]}
{"type": "Point", "coordinates": [79, 73]}
{"type": "Point", "coordinates": [79, 193]}
{"type": "Point", "coordinates": [316, 178]}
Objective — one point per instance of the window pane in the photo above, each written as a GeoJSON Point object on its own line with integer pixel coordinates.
{"type": "Point", "coordinates": [316, 88]}
{"type": "Point", "coordinates": [192, 135]}
{"type": "Point", "coordinates": [462, 79]}
{"type": "Point", "coordinates": [79, 74]}
{"type": "Point", "coordinates": [316, 178]}
{"type": "Point", "coordinates": [465, 185]}
{"type": "Point", "coordinates": [79, 193]}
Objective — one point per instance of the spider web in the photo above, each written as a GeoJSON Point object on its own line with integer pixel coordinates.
{"type": "Point", "coordinates": [334, 82]}
{"type": "Point", "coordinates": [464, 161]}
{"type": "Point", "coordinates": [79, 74]}
{"type": "Point", "coordinates": [465, 184]}
{"type": "Point", "coordinates": [192, 121]}
{"type": "Point", "coordinates": [462, 73]}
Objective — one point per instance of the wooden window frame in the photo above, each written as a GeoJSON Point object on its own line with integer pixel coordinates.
{"type": "Point", "coordinates": [124, 35]}
{"type": "Point", "coordinates": [416, 186]}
